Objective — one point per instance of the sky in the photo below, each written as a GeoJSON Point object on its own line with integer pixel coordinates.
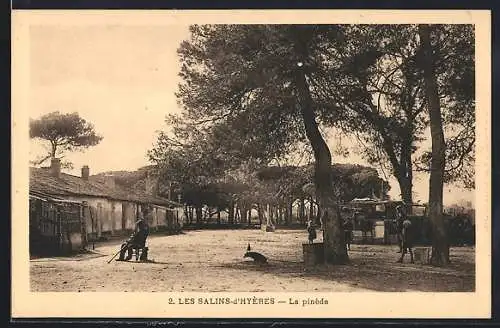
{"type": "Point", "coordinates": [123, 79]}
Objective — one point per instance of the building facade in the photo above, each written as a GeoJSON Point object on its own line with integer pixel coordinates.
{"type": "Point", "coordinates": [104, 208]}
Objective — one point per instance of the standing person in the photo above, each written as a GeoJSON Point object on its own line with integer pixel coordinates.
{"type": "Point", "coordinates": [347, 224]}
{"type": "Point", "coordinates": [348, 227]}
{"type": "Point", "coordinates": [311, 230]}
{"type": "Point", "coordinates": [136, 241]}
{"type": "Point", "coordinates": [400, 218]}
{"type": "Point", "coordinates": [406, 240]}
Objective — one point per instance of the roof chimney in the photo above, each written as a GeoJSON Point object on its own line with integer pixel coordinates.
{"type": "Point", "coordinates": [55, 167]}
{"type": "Point", "coordinates": [85, 172]}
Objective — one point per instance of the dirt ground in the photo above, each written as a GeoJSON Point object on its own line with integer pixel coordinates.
{"type": "Point", "coordinates": [212, 261]}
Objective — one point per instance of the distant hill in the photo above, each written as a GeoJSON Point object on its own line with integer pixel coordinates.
{"type": "Point", "coordinates": [128, 179]}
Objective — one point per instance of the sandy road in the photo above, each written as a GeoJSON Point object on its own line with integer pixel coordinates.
{"type": "Point", "coordinates": [212, 260]}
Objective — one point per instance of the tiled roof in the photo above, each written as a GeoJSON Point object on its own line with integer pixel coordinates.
{"type": "Point", "coordinates": [42, 181]}
{"type": "Point", "coordinates": [45, 197]}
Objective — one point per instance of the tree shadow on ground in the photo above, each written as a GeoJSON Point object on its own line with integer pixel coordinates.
{"type": "Point", "coordinates": [375, 273]}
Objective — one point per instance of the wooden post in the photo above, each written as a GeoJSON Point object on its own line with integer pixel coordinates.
{"type": "Point", "coordinates": [289, 211]}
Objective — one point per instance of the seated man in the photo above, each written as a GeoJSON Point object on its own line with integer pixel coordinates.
{"type": "Point", "coordinates": [137, 242]}
{"type": "Point", "coordinates": [142, 232]}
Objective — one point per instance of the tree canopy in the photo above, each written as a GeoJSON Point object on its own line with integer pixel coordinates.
{"type": "Point", "coordinates": [64, 133]}
{"type": "Point", "coordinates": [251, 93]}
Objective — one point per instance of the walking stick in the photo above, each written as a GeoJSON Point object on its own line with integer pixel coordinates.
{"type": "Point", "coordinates": [121, 249]}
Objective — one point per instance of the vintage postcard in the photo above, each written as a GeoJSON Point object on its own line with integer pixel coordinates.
{"type": "Point", "coordinates": [251, 164]}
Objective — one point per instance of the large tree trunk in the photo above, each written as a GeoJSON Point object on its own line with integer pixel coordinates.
{"type": "Point", "coordinates": [268, 214]}
{"type": "Point", "coordinates": [186, 213]}
{"type": "Point", "coordinates": [406, 171]}
{"type": "Point", "coordinates": [289, 211]}
{"type": "Point", "coordinates": [406, 187]}
{"type": "Point", "coordinates": [333, 235]}
{"type": "Point", "coordinates": [302, 211]}
{"type": "Point", "coordinates": [401, 168]}
{"type": "Point", "coordinates": [199, 214]}
{"type": "Point", "coordinates": [243, 213]}
{"type": "Point", "coordinates": [440, 246]}
{"type": "Point", "coordinates": [311, 208]}
{"type": "Point", "coordinates": [53, 149]}
{"type": "Point", "coordinates": [230, 215]}
{"type": "Point", "coordinates": [191, 214]}
{"type": "Point", "coordinates": [318, 216]}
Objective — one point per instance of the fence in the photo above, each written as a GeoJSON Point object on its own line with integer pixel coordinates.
{"type": "Point", "coordinates": [56, 226]}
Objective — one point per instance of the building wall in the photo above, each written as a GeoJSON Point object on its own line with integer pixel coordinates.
{"type": "Point", "coordinates": [157, 220]}
{"type": "Point", "coordinates": [113, 217]}
{"type": "Point", "coordinates": [110, 217]}
{"type": "Point", "coordinates": [49, 222]}
{"type": "Point", "coordinates": [150, 218]}
{"type": "Point", "coordinates": [154, 214]}
{"type": "Point", "coordinates": [161, 216]}
{"type": "Point", "coordinates": [129, 215]}
{"type": "Point", "coordinates": [98, 216]}
{"type": "Point", "coordinates": [116, 216]}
